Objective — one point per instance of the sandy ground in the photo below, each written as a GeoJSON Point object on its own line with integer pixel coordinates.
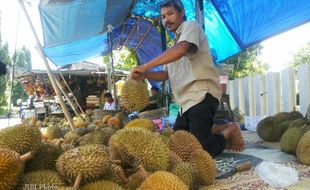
{"type": "Point", "coordinates": [9, 122]}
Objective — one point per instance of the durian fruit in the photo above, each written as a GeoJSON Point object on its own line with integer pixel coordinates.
{"type": "Point", "coordinates": [163, 180]}
{"type": "Point", "coordinates": [173, 160]}
{"type": "Point", "coordinates": [53, 132]}
{"type": "Point", "coordinates": [43, 179]}
{"type": "Point", "coordinates": [293, 115]}
{"type": "Point", "coordinates": [44, 158]}
{"type": "Point", "coordinates": [91, 161]}
{"type": "Point", "coordinates": [71, 137]}
{"type": "Point", "coordinates": [102, 185]}
{"type": "Point", "coordinates": [106, 118]}
{"type": "Point", "coordinates": [135, 146]}
{"type": "Point", "coordinates": [184, 144]}
{"type": "Point", "coordinates": [282, 116]}
{"type": "Point", "coordinates": [290, 140]}
{"type": "Point", "coordinates": [79, 122]}
{"type": "Point", "coordinates": [97, 137]}
{"type": "Point", "coordinates": [284, 125]}
{"type": "Point", "coordinates": [142, 123]}
{"type": "Point", "coordinates": [185, 172]}
{"type": "Point", "coordinates": [204, 167]}
{"type": "Point", "coordinates": [303, 149]}
{"type": "Point", "coordinates": [91, 127]}
{"type": "Point", "coordinates": [297, 123]}
{"type": "Point", "coordinates": [20, 139]}
{"type": "Point", "coordinates": [122, 116]}
{"type": "Point", "coordinates": [89, 112]}
{"type": "Point", "coordinates": [114, 123]}
{"type": "Point", "coordinates": [11, 168]}
{"type": "Point", "coordinates": [269, 129]}
{"type": "Point", "coordinates": [135, 180]}
{"type": "Point", "coordinates": [135, 96]}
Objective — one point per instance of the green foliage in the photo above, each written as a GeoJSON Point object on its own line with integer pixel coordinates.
{"type": "Point", "coordinates": [5, 58]}
{"type": "Point", "coordinates": [126, 59]}
{"type": "Point", "coordinates": [302, 56]}
{"type": "Point", "coordinates": [22, 59]}
{"type": "Point", "coordinates": [247, 63]}
{"type": "Point", "coordinates": [3, 111]}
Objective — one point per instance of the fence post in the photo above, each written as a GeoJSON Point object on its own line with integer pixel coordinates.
{"type": "Point", "coordinates": [288, 89]}
{"type": "Point", "coordinates": [304, 87]}
{"type": "Point", "coordinates": [273, 93]}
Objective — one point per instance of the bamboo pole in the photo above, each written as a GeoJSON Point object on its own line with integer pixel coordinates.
{"type": "Point", "coordinates": [49, 71]}
{"type": "Point", "coordinates": [62, 77]}
{"type": "Point", "coordinates": [68, 98]}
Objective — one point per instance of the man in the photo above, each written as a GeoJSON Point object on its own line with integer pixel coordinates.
{"type": "Point", "coordinates": [194, 81]}
{"type": "Point", "coordinates": [109, 102]}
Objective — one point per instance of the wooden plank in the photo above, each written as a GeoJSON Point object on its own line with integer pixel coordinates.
{"type": "Point", "coordinates": [273, 93]}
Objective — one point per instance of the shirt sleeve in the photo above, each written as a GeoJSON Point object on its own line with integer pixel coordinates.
{"type": "Point", "coordinates": [191, 33]}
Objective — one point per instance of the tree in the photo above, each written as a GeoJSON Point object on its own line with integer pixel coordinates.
{"type": "Point", "coordinates": [22, 59]}
{"type": "Point", "coordinates": [247, 63]}
{"type": "Point", "coordinates": [125, 59]}
{"type": "Point", "coordinates": [302, 56]}
{"type": "Point", "coordinates": [5, 58]}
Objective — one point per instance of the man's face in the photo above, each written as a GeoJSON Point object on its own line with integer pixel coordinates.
{"type": "Point", "coordinates": [171, 18]}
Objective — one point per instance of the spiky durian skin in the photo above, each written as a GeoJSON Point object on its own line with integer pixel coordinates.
{"type": "Point", "coordinates": [290, 140]}
{"type": "Point", "coordinates": [269, 129]}
{"type": "Point", "coordinates": [303, 149]}
{"type": "Point", "coordinates": [185, 172]}
{"type": "Point", "coordinates": [135, 180]}
{"type": "Point", "coordinates": [97, 137]}
{"type": "Point", "coordinates": [135, 96]}
{"type": "Point", "coordinates": [43, 179]}
{"type": "Point", "coordinates": [71, 137]}
{"type": "Point", "coordinates": [163, 180]}
{"type": "Point", "coordinates": [11, 168]}
{"type": "Point", "coordinates": [92, 161]}
{"type": "Point", "coordinates": [20, 139]}
{"type": "Point", "coordinates": [53, 132]}
{"type": "Point", "coordinates": [102, 185]}
{"type": "Point", "coordinates": [204, 167]}
{"type": "Point", "coordinates": [184, 144]}
{"type": "Point", "coordinates": [45, 158]}
{"type": "Point", "coordinates": [135, 146]}
{"type": "Point", "coordinates": [142, 123]}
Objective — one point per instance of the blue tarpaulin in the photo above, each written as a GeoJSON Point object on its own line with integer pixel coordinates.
{"type": "Point", "coordinates": [75, 30]}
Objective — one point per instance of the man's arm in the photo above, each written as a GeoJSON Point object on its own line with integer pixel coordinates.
{"type": "Point", "coordinates": [170, 55]}
{"type": "Point", "coordinates": [159, 76]}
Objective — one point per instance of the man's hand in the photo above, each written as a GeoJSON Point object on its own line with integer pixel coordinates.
{"type": "Point", "coordinates": [138, 73]}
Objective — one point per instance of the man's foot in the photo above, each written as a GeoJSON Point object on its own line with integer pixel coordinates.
{"type": "Point", "coordinates": [216, 128]}
{"type": "Point", "coordinates": [234, 138]}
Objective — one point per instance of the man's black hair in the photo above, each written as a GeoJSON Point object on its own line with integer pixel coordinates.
{"type": "Point", "coordinates": [107, 95]}
{"type": "Point", "coordinates": [177, 4]}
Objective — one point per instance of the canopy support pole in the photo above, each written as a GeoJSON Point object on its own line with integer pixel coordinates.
{"type": "Point", "coordinates": [112, 64]}
{"type": "Point", "coordinates": [49, 71]}
{"type": "Point", "coordinates": [143, 37]}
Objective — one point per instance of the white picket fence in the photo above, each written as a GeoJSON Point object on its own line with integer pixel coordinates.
{"type": "Point", "coordinates": [268, 94]}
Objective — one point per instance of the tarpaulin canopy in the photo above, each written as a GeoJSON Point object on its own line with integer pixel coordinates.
{"type": "Point", "coordinates": [75, 30]}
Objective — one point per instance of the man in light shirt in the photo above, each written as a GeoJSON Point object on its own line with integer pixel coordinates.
{"type": "Point", "coordinates": [109, 102]}
{"type": "Point", "coordinates": [194, 81]}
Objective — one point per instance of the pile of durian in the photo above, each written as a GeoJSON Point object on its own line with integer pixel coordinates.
{"type": "Point", "coordinates": [104, 152]}
{"type": "Point", "coordinates": [291, 129]}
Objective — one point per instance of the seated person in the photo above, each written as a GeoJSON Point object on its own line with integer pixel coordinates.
{"type": "Point", "coordinates": [109, 102]}
{"type": "Point", "coordinates": [153, 99]}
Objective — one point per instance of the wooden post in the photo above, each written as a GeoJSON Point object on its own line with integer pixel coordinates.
{"type": "Point", "coordinates": [288, 97]}
{"type": "Point", "coordinates": [304, 87]}
{"type": "Point", "coordinates": [49, 71]}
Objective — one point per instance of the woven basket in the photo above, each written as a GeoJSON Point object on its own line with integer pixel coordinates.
{"type": "Point", "coordinates": [154, 114]}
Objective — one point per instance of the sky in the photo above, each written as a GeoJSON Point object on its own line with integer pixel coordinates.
{"type": "Point", "coordinates": [277, 51]}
